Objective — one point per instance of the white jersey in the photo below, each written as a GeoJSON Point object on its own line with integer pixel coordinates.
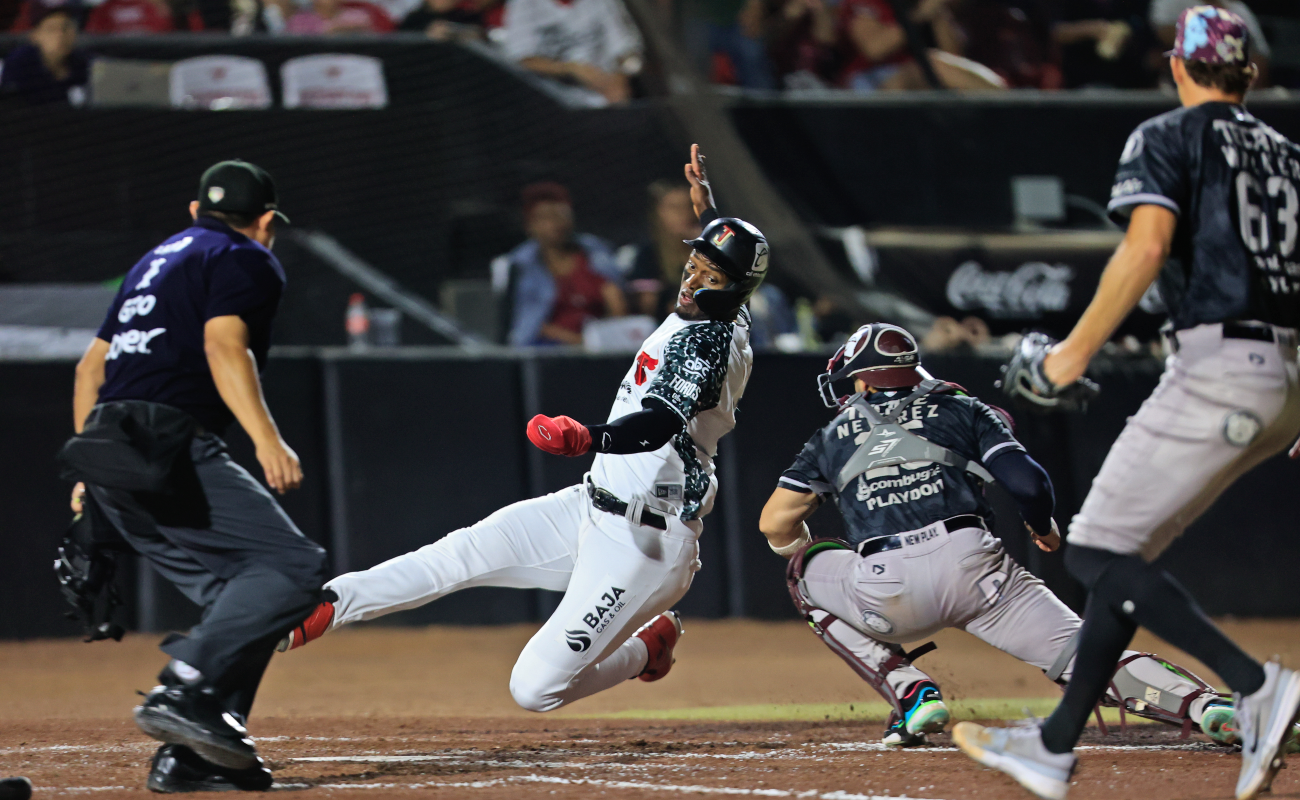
{"type": "Point", "coordinates": [698, 369]}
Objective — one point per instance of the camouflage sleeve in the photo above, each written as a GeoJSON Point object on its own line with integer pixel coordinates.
{"type": "Point", "coordinates": [1152, 171]}
{"type": "Point", "coordinates": [694, 369]}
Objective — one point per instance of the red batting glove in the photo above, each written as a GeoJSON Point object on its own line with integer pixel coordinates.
{"type": "Point", "coordinates": [561, 436]}
{"type": "Point", "coordinates": [1295, 449]}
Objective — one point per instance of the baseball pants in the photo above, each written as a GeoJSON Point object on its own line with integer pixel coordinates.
{"type": "Point", "coordinates": [961, 579]}
{"type": "Point", "coordinates": [233, 551]}
{"type": "Point", "coordinates": [1222, 407]}
{"type": "Point", "coordinates": [616, 577]}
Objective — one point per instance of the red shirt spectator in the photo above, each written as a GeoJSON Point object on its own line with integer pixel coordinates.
{"type": "Point", "coordinates": [579, 296]}
{"type": "Point", "coordinates": [882, 13]}
{"type": "Point", "coordinates": [333, 16]}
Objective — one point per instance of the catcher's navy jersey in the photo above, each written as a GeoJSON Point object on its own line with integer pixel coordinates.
{"type": "Point", "coordinates": [1234, 183]}
{"type": "Point", "coordinates": [890, 500]}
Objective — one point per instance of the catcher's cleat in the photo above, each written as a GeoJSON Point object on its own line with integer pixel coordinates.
{"type": "Point", "coordinates": [192, 716]}
{"type": "Point", "coordinates": [312, 628]}
{"type": "Point", "coordinates": [1266, 719]}
{"type": "Point", "coordinates": [1019, 752]}
{"type": "Point", "coordinates": [177, 769]}
{"type": "Point", "coordinates": [923, 712]}
{"type": "Point", "coordinates": [1219, 722]}
{"type": "Point", "coordinates": [660, 636]}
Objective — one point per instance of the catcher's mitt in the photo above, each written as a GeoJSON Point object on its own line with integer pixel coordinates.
{"type": "Point", "coordinates": [85, 569]}
{"type": "Point", "coordinates": [1024, 381]}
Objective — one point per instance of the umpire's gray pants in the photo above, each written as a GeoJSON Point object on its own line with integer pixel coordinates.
{"type": "Point", "coordinates": [1222, 407]}
{"type": "Point", "coordinates": [959, 579]}
{"type": "Point", "coordinates": [243, 561]}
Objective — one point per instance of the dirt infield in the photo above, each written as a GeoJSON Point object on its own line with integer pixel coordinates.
{"type": "Point", "coordinates": [750, 709]}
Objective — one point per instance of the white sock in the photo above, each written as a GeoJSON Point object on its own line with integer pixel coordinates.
{"type": "Point", "coordinates": [185, 672]}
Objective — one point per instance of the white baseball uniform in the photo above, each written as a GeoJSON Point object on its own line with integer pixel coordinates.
{"type": "Point", "coordinates": [616, 574]}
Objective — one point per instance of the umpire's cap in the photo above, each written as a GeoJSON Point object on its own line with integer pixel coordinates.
{"type": "Point", "coordinates": [738, 249]}
{"type": "Point", "coordinates": [239, 188]}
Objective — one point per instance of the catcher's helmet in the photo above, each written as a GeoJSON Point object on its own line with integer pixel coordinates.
{"type": "Point", "coordinates": [883, 355]}
{"type": "Point", "coordinates": [739, 250]}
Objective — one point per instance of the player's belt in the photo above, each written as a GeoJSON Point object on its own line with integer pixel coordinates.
{"type": "Point", "coordinates": [607, 501]}
{"type": "Point", "coordinates": [881, 544]}
{"type": "Point", "coordinates": [1252, 331]}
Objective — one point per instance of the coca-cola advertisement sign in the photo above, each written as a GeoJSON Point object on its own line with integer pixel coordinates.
{"type": "Point", "coordinates": [1012, 289]}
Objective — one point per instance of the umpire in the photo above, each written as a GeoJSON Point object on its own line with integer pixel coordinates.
{"type": "Point", "coordinates": [176, 361]}
{"type": "Point", "coordinates": [1211, 199]}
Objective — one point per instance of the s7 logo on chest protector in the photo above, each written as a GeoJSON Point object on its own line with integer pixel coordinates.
{"type": "Point", "coordinates": [644, 362]}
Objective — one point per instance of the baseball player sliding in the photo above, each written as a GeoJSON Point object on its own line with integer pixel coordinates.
{"type": "Point", "coordinates": [622, 545]}
{"type": "Point", "coordinates": [1212, 199]}
{"type": "Point", "coordinates": [906, 461]}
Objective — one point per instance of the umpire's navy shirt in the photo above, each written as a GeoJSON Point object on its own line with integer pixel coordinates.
{"type": "Point", "coordinates": [155, 325]}
{"type": "Point", "coordinates": [892, 500]}
{"type": "Point", "coordinates": [1234, 183]}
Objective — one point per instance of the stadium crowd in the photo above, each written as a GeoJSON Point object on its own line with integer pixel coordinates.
{"type": "Point", "coordinates": [860, 46]}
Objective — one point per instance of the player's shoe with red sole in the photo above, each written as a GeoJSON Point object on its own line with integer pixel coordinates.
{"type": "Point", "coordinates": [660, 636]}
{"type": "Point", "coordinates": [313, 627]}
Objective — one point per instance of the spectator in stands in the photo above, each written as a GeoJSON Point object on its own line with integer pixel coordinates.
{"type": "Point", "coordinates": [947, 334]}
{"type": "Point", "coordinates": [558, 279]}
{"type": "Point", "coordinates": [1013, 38]}
{"type": "Point", "coordinates": [656, 273]}
{"type": "Point", "coordinates": [802, 43]}
{"type": "Point", "coordinates": [1105, 43]}
{"type": "Point", "coordinates": [1164, 18]}
{"type": "Point", "coordinates": [881, 59]}
{"type": "Point", "coordinates": [443, 20]}
{"type": "Point", "coordinates": [730, 34]}
{"type": "Point", "coordinates": [589, 43]}
{"type": "Point", "coordinates": [49, 69]}
{"type": "Point", "coordinates": [139, 17]}
{"type": "Point", "coordinates": [328, 17]}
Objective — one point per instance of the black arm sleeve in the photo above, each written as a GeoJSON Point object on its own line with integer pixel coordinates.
{"type": "Point", "coordinates": [641, 432]}
{"type": "Point", "coordinates": [1028, 483]}
{"type": "Point", "coordinates": [709, 215]}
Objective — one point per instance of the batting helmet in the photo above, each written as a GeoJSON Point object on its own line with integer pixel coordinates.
{"type": "Point", "coordinates": [740, 251]}
{"type": "Point", "coordinates": [883, 355]}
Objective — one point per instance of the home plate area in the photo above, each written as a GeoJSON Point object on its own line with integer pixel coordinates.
{"type": "Point", "coordinates": [518, 758]}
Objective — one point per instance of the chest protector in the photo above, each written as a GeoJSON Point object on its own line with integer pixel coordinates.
{"type": "Point", "coordinates": [889, 444]}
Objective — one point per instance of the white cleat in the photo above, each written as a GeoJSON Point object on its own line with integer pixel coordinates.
{"type": "Point", "coordinates": [1265, 719]}
{"type": "Point", "coordinates": [1019, 752]}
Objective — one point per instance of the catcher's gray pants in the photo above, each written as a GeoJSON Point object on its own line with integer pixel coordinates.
{"type": "Point", "coordinates": [956, 579]}
{"type": "Point", "coordinates": [1222, 407]}
{"type": "Point", "coordinates": [244, 562]}
{"type": "Point", "coordinates": [962, 579]}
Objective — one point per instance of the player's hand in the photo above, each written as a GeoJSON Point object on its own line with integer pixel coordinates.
{"type": "Point", "coordinates": [283, 470]}
{"type": "Point", "coordinates": [79, 491]}
{"type": "Point", "coordinates": [1048, 543]}
{"type": "Point", "coordinates": [561, 436]}
{"type": "Point", "coordinates": [701, 192]}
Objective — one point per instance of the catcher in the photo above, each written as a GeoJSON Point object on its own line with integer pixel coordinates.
{"type": "Point", "coordinates": [906, 460]}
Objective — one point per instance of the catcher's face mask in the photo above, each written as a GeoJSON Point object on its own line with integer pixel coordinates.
{"type": "Point", "coordinates": [885, 356]}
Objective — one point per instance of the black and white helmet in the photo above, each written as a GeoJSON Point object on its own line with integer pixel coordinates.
{"type": "Point", "coordinates": [738, 249]}
{"type": "Point", "coordinates": [884, 356]}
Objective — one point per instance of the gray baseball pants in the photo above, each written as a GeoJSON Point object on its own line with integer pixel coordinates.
{"type": "Point", "coordinates": [1222, 407]}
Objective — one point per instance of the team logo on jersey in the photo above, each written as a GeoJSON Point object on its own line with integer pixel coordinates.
{"type": "Point", "coordinates": [877, 622]}
{"type": "Point", "coordinates": [1133, 147]}
{"type": "Point", "coordinates": [1241, 427]}
{"type": "Point", "coordinates": [578, 641]}
{"type": "Point", "coordinates": [723, 236]}
{"type": "Point", "coordinates": [644, 362]}
{"type": "Point", "coordinates": [215, 193]}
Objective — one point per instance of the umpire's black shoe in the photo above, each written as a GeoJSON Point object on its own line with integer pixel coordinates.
{"type": "Point", "coordinates": [177, 768]}
{"type": "Point", "coordinates": [193, 717]}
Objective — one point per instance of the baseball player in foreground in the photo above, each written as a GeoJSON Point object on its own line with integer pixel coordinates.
{"type": "Point", "coordinates": [1212, 196]}
{"type": "Point", "coordinates": [906, 461]}
{"type": "Point", "coordinates": [622, 545]}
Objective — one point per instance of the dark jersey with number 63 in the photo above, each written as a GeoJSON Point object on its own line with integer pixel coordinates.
{"type": "Point", "coordinates": [1234, 183]}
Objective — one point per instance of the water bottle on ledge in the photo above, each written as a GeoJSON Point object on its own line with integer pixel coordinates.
{"type": "Point", "coordinates": [358, 322]}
